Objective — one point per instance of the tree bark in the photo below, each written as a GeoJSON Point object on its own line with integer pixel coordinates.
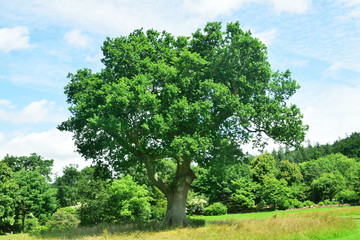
{"type": "Point", "coordinates": [176, 192]}
{"type": "Point", "coordinates": [176, 207]}
{"type": "Point", "coordinates": [176, 197]}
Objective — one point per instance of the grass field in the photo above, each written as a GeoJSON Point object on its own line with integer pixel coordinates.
{"type": "Point", "coordinates": [324, 223]}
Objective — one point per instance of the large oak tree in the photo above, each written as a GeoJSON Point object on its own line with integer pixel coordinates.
{"type": "Point", "coordinates": [183, 99]}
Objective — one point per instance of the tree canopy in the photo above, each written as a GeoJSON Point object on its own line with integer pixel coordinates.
{"type": "Point", "coordinates": [184, 99]}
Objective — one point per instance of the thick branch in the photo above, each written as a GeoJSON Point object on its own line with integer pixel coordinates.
{"type": "Point", "coordinates": [150, 168]}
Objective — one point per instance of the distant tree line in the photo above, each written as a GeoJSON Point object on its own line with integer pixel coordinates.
{"type": "Point", "coordinates": [304, 177]}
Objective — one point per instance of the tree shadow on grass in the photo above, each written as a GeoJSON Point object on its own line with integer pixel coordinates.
{"type": "Point", "coordinates": [112, 229]}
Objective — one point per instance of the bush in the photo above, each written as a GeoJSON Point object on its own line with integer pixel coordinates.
{"type": "Point", "coordinates": [347, 196]}
{"type": "Point", "coordinates": [215, 209]}
{"type": "Point", "coordinates": [129, 201]}
{"type": "Point", "coordinates": [63, 219]}
{"type": "Point", "coordinates": [31, 223]}
{"type": "Point", "coordinates": [308, 203]}
{"type": "Point", "coordinates": [157, 213]}
{"type": "Point", "coordinates": [196, 204]}
{"type": "Point", "coordinates": [328, 202]}
{"type": "Point", "coordinates": [290, 203]}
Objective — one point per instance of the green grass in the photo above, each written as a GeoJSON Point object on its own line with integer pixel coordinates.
{"type": "Point", "coordinates": [336, 223]}
{"type": "Point", "coordinates": [268, 214]}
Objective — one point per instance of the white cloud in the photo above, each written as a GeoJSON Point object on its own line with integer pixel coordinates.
{"type": "Point", "coordinates": [212, 8]}
{"type": "Point", "coordinates": [2, 137]}
{"type": "Point", "coordinates": [14, 39]}
{"type": "Point", "coordinates": [6, 103]}
{"type": "Point", "coordinates": [51, 144]}
{"type": "Point", "coordinates": [353, 7]}
{"type": "Point", "coordinates": [34, 113]}
{"type": "Point", "coordinates": [114, 17]}
{"type": "Point", "coordinates": [95, 58]}
{"type": "Point", "coordinates": [294, 6]}
{"type": "Point", "coordinates": [267, 37]}
{"type": "Point", "coordinates": [77, 39]}
{"type": "Point", "coordinates": [331, 112]}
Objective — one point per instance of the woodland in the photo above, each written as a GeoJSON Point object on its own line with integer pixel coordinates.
{"type": "Point", "coordinates": [163, 124]}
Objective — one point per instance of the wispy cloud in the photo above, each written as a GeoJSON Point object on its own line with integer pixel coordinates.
{"type": "Point", "coordinates": [14, 39]}
{"type": "Point", "coordinates": [36, 112]}
{"type": "Point", "coordinates": [330, 111]}
{"type": "Point", "coordinates": [51, 144]}
{"type": "Point", "coordinates": [6, 103]}
{"type": "Point", "coordinates": [212, 8]}
{"type": "Point", "coordinates": [119, 17]}
{"type": "Point", "coordinates": [77, 38]}
{"type": "Point", "coordinates": [295, 6]}
{"type": "Point", "coordinates": [267, 37]}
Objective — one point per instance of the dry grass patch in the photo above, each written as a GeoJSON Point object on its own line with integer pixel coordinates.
{"type": "Point", "coordinates": [296, 226]}
{"type": "Point", "coordinates": [293, 225]}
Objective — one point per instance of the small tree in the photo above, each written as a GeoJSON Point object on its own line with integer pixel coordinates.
{"type": "Point", "coordinates": [274, 192]}
{"type": "Point", "coordinates": [290, 172]}
{"type": "Point", "coordinates": [35, 196]}
{"type": "Point", "coordinates": [64, 218]}
{"type": "Point", "coordinates": [184, 99]}
{"type": "Point", "coordinates": [263, 166]}
{"type": "Point", "coordinates": [327, 186]}
{"type": "Point", "coordinates": [8, 193]}
{"type": "Point", "coordinates": [128, 202]}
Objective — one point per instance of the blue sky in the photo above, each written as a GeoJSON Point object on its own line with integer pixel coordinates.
{"type": "Point", "coordinates": [42, 41]}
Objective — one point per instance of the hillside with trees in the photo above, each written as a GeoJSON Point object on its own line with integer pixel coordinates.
{"type": "Point", "coordinates": [164, 124]}
{"type": "Point", "coordinates": [95, 195]}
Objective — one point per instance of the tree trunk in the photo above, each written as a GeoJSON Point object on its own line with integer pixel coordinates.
{"type": "Point", "coordinates": [176, 192]}
{"type": "Point", "coordinates": [176, 207]}
{"type": "Point", "coordinates": [23, 221]}
{"type": "Point", "coordinates": [177, 195]}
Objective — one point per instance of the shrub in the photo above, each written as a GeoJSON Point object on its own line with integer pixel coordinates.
{"type": "Point", "coordinates": [290, 203]}
{"type": "Point", "coordinates": [129, 201]}
{"type": "Point", "coordinates": [196, 205]}
{"type": "Point", "coordinates": [308, 203]}
{"type": "Point", "coordinates": [157, 213]}
{"type": "Point", "coordinates": [327, 202]}
{"type": "Point", "coordinates": [348, 196]}
{"type": "Point", "coordinates": [31, 223]}
{"type": "Point", "coordinates": [63, 219]}
{"type": "Point", "coordinates": [215, 209]}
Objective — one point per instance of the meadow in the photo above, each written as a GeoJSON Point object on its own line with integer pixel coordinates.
{"type": "Point", "coordinates": [339, 223]}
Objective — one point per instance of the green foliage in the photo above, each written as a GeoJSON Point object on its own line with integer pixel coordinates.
{"type": "Point", "coordinates": [327, 186]}
{"type": "Point", "coordinates": [182, 99]}
{"type": "Point", "coordinates": [63, 218]}
{"type": "Point", "coordinates": [31, 163]}
{"type": "Point", "coordinates": [215, 209]}
{"type": "Point", "coordinates": [123, 201]}
{"type": "Point", "coordinates": [31, 223]}
{"type": "Point", "coordinates": [245, 192]}
{"type": "Point", "coordinates": [349, 146]}
{"type": "Point", "coordinates": [35, 195]}
{"type": "Point", "coordinates": [263, 166]}
{"type": "Point", "coordinates": [67, 186]}
{"type": "Point", "coordinates": [8, 194]}
{"type": "Point", "coordinates": [347, 167]}
{"type": "Point", "coordinates": [129, 202]}
{"type": "Point", "coordinates": [348, 196]}
{"type": "Point", "coordinates": [290, 203]}
{"type": "Point", "coordinates": [196, 204]}
{"type": "Point", "coordinates": [309, 203]}
{"type": "Point", "coordinates": [216, 182]}
{"type": "Point", "coordinates": [290, 172]}
{"type": "Point", "coordinates": [274, 192]}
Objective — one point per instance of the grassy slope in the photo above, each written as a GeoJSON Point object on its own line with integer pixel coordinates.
{"type": "Point", "coordinates": [323, 223]}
